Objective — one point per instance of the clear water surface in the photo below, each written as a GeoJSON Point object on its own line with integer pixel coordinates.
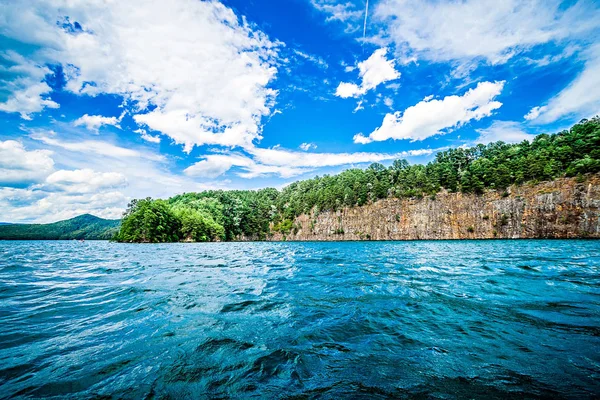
{"type": "Point", "coordinates": [428, 319]}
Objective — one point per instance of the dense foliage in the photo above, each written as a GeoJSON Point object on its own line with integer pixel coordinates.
{"type": "Point", "coordinates": [227, 215]}
{"type": "Point", "coordinates": [82, 227]}
{"type": "Point", "coordinates": [207, 216]}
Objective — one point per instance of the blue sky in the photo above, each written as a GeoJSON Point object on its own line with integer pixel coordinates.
{"type": "Point", "coordinates": [102, 102]}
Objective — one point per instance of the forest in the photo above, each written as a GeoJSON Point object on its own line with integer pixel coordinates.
{"type": "Point", "coordinates": [219, 215]}
{"type": "Point", "coordinates": [85, 226]}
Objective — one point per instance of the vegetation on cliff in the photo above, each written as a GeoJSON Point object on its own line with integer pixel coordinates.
{"type": "Point", "coordinates": [82, 227]}
{"type": "Point", "coordinates": [227, 215]}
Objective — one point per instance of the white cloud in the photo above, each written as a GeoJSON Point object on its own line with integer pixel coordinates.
{"type": "Point", "coordinates": [19, 167]}
{"type": "Point", "coordinates": [95, 177]}
{"type": "Point", "coordinates": [215, 165]}
{"type": "Point", "coordinates": [190, 130]}
{"type": "Point", "coordinates": [318, 61]}
{"type": "Point", "coordinates": [94, 122]}
{"type": "Point", "coordinates": [86, 180]}
{"type": "Point", "coordinates": [307, 146]}
{"type": "Point", "coordinates": [492, 30]}
{"type": "Point", "coordinates": [359, 106]}
{"type": "Point", "coordinates": [206, 71]}
{"type": "Point", "coordinates": [359, 138]}
{"type": "Point", "coordinates": [23, 81]}
{"type": "Point", "coordinates": [147, 173]}
{"type": "Point", "coordinates": [147, 137]}
{"type": "Point", "coordinates": [393, 86]}
{"type": "Point", "coordinates": [310, 161]}
{"type": "Point", "coordinates": [30, 189]}
{"type": "Point", "coordinates": [286, 163]}
{"type": "Point", "coordinates": [27, 205]}
{"type": "Point", "coordinates": [580, 99]}
{"type": "Point", "coordinates": [374, 71]}
{"type": "Point", "coordinates": [346, 89]}
{"type": "Point", "coordinates": [97, 147]}
{"type": "Point", "coordinates": [505, 131]}
{"type": "Point", "coordinates": [345, 13]}
{"type": "Point", "coordinates": [534, 113]}
{"type": "Point", "coordinates": [281, 157]}
{"type": "Point", "coordinates": [433, 117]}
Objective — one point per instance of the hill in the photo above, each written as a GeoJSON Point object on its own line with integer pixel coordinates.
{"type": "Point", "coordinates": [467, 174]}
{"type": "Point", "coordinates": [82, 227]}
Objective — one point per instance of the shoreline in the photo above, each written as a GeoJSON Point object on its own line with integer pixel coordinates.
{"type": "Point", "coordinates": [319, 241]}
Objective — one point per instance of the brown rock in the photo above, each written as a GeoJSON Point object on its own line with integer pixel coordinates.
{"type": "Point", "coordinates": [563, 208]}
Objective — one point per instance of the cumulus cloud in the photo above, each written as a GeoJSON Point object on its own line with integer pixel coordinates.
{"type": "Point", "coordinates": [307, 146]}
{"type": "Point", "coordinates": [374, 71]}
{"type": "Point", "coordinates": [491, 30]}
{"type": "Point", "coordinates": [433, 117]}
{"type": "Point", "coordinates": [580, 99]}
{"type": "Point", "coordinates": [147, 137]}
{"type": "Point", "coordinates": [86, 180]}
{"type": "Point", "coordinates": [201, 71]}
{"type": "Point", "coordinates": [359, 138]}
{"type": "Point", "coordinates": [30, 189]}
{"type": "Point", "coordinates": [534, 113]}
{"type": "Point", "coordinates": [29, 205]}
{"type": "Point", "coordinates": [23, 80]}
{"type": "Point", "coordinates": [147, 173]}
{"type": "Point", "coordinates": [21, 168]}
{"type": "Point", "coordinates": [94, 122]}
{"type": "Point", "coordinates": [505, 131]}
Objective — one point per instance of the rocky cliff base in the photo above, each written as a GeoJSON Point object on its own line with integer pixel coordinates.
{"type": "Point", "coordinates": [563, 208]}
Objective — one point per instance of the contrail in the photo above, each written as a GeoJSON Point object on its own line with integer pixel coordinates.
{"type": "Point", "coordinates": [365, 26]}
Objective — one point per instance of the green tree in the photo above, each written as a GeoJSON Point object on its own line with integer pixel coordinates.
{"type": "Point", "coordinates": [149, 221]}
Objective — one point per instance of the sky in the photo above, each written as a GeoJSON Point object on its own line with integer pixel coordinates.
{"type": "Point", "coordinates": [104, 101]}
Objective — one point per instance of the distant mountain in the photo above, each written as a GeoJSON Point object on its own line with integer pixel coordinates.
{"type": "Point", "coordinates": [85, 226]}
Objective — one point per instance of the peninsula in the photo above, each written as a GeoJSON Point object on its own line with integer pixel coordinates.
{"type": "Point", "coordinates": [549, 188]}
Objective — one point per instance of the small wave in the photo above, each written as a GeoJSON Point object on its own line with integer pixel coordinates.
{"type": "Point", "coordinates": [218, 344]}
{"type": "Point", "coordinates": [502, 319]}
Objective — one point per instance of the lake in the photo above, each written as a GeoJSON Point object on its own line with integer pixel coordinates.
{"type": "Point", "coordinates": [428, 319]}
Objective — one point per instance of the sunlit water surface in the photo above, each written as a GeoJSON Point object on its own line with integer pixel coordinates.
{"type": "Point", "coordinates": [477, 319]}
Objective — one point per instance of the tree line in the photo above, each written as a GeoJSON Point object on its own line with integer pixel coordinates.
{"type": "Point", "coordinates": [85, 226]}
{"type": "Point", "coordinates": [228, 215]}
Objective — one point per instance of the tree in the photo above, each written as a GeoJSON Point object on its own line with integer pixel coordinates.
{"type": "Point", "coordinates": [149, 221]}
{"type": "Point", "coordinates": [219, 214]}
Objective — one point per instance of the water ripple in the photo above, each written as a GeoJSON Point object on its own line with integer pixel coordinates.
{"type": "Point", "coordinates": [475, 319]}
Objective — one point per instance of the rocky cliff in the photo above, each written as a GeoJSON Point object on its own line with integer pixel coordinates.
{"type": "Point", "coordinates": [563, 208]}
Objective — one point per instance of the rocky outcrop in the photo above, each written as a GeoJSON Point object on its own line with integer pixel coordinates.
{"type": "Point", "coordinates": [563, 208]}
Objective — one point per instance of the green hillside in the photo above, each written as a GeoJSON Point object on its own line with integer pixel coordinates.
{"type": "Point", "coordinates": [82, 227]}
{"type": "Point", "coordinates": [227, 215]}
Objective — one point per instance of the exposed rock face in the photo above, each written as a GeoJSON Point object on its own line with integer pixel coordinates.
{"type": "Point", "coordinates": [563, 208]}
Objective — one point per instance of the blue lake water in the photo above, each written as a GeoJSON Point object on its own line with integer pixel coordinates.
{"type": "Point", "coordinates": [429, 319]}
